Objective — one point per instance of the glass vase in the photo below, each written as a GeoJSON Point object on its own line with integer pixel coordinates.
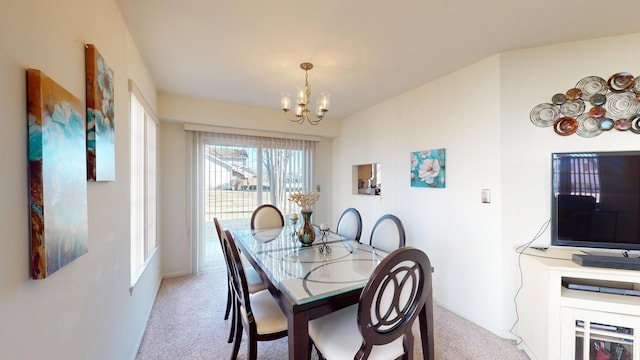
{"type": "Point", "coordinates": [306, 234]}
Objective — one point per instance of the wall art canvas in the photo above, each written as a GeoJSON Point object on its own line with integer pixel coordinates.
{"type": "Point", "coordinates": [101, 141]}
{"type": "Point", "coordinates": [428, 168]}
{"type": "Point", "coordinates": [57, 175]}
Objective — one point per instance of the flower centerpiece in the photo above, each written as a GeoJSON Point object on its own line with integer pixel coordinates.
{"type": "Point", "coordinates": [306, 200]}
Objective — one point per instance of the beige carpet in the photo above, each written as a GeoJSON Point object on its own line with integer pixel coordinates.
{"type": "Point", "coordinates": [187, 323]}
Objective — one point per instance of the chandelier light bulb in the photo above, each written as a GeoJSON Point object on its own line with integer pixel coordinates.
{"type": "Point", "coordinates": [285, 103]}
{"type": "Point", "coordinates": [324, 102]}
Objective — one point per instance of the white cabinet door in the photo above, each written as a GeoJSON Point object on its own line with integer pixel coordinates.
{"type": "Point", "coordinates": [596, 335]}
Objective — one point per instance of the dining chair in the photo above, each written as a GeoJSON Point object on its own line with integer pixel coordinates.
{"type": "Point", "coordinates": [257, 314]}
{"type": "Point", "coordinates": [379, 326]}
{"type": "Point", "coordinates": [254, 282]}
{"type": "Point", "coordinates": [387, 233]}
{"type": "Point", "coordinates": [266, 216]}
{"type": "Point", "coordinates": [350, 224]}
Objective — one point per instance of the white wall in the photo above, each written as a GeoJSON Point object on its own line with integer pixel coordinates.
{"type": "Point", "coordinates": [85, 309]}
{"type": "Point", "coordinates": [460, 113]}
{"type": "Point", "coordinates": [175, 111]}
{"type": "Point", "coordinates": [480, 115]}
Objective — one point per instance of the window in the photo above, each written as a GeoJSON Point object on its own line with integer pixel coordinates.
{"type": "Point", "coordinates": [143, 183]}
{"type": "Point", "coordinates": [234, 173]}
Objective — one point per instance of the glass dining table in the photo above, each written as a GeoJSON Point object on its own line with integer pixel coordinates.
{"type": "Point", "coordinates": [308, 281]}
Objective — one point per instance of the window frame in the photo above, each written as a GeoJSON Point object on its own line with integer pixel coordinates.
{"type": "Point", "coordinates": [144, 184]}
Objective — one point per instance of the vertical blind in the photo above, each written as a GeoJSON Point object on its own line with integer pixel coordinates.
{"type": "Point", "coordinates": [233, 174]}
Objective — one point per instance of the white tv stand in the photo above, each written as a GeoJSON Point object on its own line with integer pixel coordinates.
{"type": "Point", "coordinates": [557, 322]}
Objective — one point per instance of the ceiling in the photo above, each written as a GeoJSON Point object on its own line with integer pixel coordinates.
{"type": "Point", "coordinates": [249, 51]}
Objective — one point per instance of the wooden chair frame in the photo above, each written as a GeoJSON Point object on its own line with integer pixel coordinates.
{"type": "Point", "coordinates": [404, 267]}
{"type": "Point", "coordinates": [356, 213]}
{"type": "Point", "coordinates": [401, 234]}
{"type": "Point", "coordinates": [251, 286]}
{"type": "Point", "coordinates": [398, 292]}
{"type": "Point", "coordinates": [242, 298]}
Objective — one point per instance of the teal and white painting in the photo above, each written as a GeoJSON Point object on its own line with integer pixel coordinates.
{"type": "Point", "coordinates": [57, 175]}
{"type": "Point", "coordinates": [428, 168]}
{"type": "Point", "coordinates": [101, 140]}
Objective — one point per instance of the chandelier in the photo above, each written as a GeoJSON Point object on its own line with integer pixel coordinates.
{"type": "Point", "coordinates": [301, 111]}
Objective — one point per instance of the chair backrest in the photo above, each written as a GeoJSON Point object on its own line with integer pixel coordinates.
{"type": "Point", "coordinates": [350, 224]}
{"type": "Point", "coordinates": [399, 288]}
{"type": "Point", "coordinates": [266, 216]}
{"type": "Point", "coordinates": [219, 231]}
{"type": "Point", "coordinates": [221, 238]}
{"type": "Point", "coordinates": [237, 275]}
{"type": "Point", "coordinates": [387, 233]}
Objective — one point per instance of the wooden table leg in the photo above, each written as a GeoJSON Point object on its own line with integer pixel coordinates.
{"type": "Point", "coordinates": [298, 333]}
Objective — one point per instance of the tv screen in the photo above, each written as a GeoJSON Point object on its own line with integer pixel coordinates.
{"type": "Point", "coordinates": [596, 200]}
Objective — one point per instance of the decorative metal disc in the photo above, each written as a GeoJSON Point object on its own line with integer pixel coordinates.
{"type": "Point", "coordinates": [621, 81]}
{"type": "Point", "coordinates": [572, 108]}
{"type": "Point", "coordinates": [606, 124]}
{"type": "Point", "coordinates": [588, 126]}
{"type": "Point", "coordinates": [544, 115]}
{"type": "Point", "coordinates": [635, 124]}
{"type": "Point", "coordinates": [597, 112]}
{"type": "Point", "coordinates": [636, 85]}
{"type": "Point", "coordinates": [565, 126]}
{"type": "Point", "coordinates": [622, 124]}
{"type": "Point", "coordinates": [598, 99]}
{"type": "Point", "coordinates": [558, 99]}
{"type": "Point", "coordinates": [573, 93]}
{"type": "Point", "coordinates": [592, 85]}
{"type": "Point", "coordinates": [622, 105]}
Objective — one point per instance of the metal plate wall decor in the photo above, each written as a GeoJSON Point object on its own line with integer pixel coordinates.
{"type": "Point", "coordinates": [588, 126]}
{"type": "Point", "coordinates": [592, 85]}
{"type": "Point", "coordinates": [544, 115]}
{"type": "Point", "coordinates": [593, 106]}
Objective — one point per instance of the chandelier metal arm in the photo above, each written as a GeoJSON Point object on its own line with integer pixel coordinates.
{"type": "Point", "coordinates": [305, 116]}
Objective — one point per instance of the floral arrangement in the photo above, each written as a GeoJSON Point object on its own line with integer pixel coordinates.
{"type": "Point", "coordinates": [305, 200]}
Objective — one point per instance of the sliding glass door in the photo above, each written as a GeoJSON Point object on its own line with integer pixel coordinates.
{"type": "Point", "coordinates": [238, 173]}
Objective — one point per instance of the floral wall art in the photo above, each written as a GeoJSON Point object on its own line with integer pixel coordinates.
{"type": "Point", "coordinates": [100, 117]}
{"type": "Point", "coordinates": [57, 175]}
{"type": "Point", "coordinates": [428, 168]}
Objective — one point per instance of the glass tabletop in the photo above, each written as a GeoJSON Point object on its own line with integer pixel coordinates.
{"type": "Point", "coordinates": [330, 266]}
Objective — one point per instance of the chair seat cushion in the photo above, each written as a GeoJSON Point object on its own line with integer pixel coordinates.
{"type": "Point", "coordinates": [254, 282]}
{"type": "Point", "coordinates": [337, 336]}
{"type": "Point", "coordinates": [267, 314]}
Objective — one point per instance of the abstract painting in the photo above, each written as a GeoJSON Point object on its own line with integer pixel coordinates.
{"type": "Point", "coordinates": [101, 164]}
{"type": "Point", "coordinates": [57, 175]}
{"type": "Point", "coordinates": [427, 168]}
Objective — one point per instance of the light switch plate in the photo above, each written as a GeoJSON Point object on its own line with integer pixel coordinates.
{"type": "Point", "coordinates": [485, 196]}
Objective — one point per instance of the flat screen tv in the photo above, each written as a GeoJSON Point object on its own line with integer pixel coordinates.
{"type": "Point", "coordinates": [596, 200]}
